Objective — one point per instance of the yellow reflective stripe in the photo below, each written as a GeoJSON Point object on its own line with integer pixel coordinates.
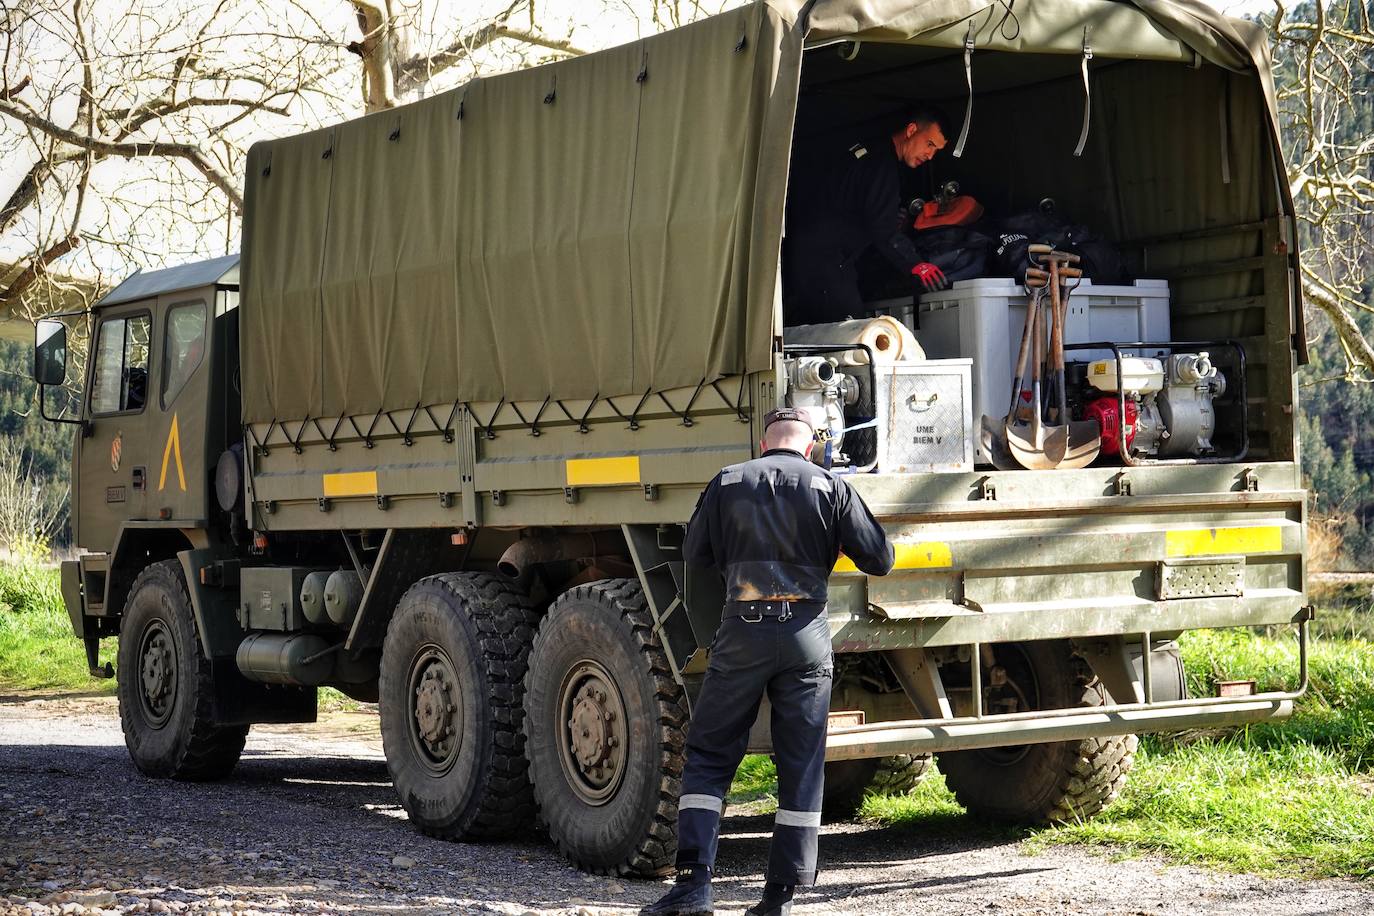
{"type": "Point", "coordinates": [1204, 542]}
{"type": "Point", "coordinates": [352, 483]}
{"type": "Point", "coordinates": [923, 555]}
{"type": "Point", "coordinates": [592, 472]}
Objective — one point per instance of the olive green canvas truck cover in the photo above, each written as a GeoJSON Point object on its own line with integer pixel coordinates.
{"type": "Point", "coordinates": [610, 225]}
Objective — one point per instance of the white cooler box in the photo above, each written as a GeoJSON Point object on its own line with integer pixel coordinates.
{"type": "Point", "coordinates": [924, 417]}
{"type": "Point", "coordinates": [982, 320]}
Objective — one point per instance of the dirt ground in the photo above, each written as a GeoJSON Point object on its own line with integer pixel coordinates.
{"type": "Point", "coordinates": [309, 823]}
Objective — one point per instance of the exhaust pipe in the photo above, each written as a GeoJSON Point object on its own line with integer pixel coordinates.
{"type": "Point", "coordinates": [524, 555]}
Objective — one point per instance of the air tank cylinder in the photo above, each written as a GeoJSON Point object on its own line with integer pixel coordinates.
{"type": "Point", "coordinates": [278, 658]}
{"type": "Point", "coordinates": [343, 595]}
{"type": "Point", "coordinates": [312, 597]}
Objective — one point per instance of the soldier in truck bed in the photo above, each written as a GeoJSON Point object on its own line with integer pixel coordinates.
{"type": "Point", "coordinates": [843, 198]}
{"type": "Point", "coordinates": [773, 527]}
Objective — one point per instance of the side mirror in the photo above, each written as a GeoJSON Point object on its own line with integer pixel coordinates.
{"type": "Point", "coordinates": [50, 352]}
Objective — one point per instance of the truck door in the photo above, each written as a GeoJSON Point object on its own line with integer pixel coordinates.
{"type": "Point", "coordinates": [112, 463]}
{"type": "Point", "coordinates": [177, 469]}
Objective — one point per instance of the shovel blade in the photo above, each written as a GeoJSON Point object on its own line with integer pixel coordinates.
{"type": "Point", "coordinates": [993, 436]}
{"type": "Point", "coordinates": [1037, 447]}
{"type": "Point", "coordinates": [1085, 442]}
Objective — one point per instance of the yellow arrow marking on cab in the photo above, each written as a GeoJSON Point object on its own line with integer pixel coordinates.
{"type": "Point", "coordinates": [173, 448]}
{"type": "Point", "coordinates": [923, 555]}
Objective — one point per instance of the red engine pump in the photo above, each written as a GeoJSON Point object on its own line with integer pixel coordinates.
{"type": "Point", "coordinates": [1105, 412]}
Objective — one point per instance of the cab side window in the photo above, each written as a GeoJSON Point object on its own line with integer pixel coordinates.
{"type": "Point", "coordinates": [120, 380]}
{"type": "Point", "coordinates": [183, 347]}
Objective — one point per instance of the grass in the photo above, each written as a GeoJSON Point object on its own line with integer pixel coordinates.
{"type": "Point", "coordinates": [38, 650]}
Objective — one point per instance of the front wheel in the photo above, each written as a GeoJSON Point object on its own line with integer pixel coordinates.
{"type": "Point", "coordinates": [604, 726]}
{"type": "Point", "coordinates": [166, 687]}
{"type": "Point", "coordinates": [449, 691]}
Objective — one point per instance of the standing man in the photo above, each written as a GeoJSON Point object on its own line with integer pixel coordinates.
{"type": "Point", "coordinates": [842, 200]}
{"type": "Point", "coordinates": [774, 527]}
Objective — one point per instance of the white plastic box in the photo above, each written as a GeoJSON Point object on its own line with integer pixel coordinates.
{"type": "Point", "coordinates": [925, 417]}
{"type": "Point", "coordinates": [982, 320]}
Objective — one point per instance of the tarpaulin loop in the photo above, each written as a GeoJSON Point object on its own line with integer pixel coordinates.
{"type": "Point", "coordinates": [581, 422]}
{"type": "Point", "coordinates": [737, 404]}
{"type": "Point", "coordinates": [643, 73]}
{"type": "Point", "coordinates": [968, 78]}
{"type": "Point", "coordinates": [405, 436]}
{"type": "Point", "coordinates": [1087, 94]}
{"type": "Point", "coordinates": [686, 413]}
{"type": "Point", "coordinates": [296, 442]}
{"type": "Point", "coordinates": [552, 95]}
{"type": "Point", "coordinates": [486, 428]}
{"type": "Point", "coordinates": [743, 40]}
{"type": "Point", "coordinates": [850, 50]}
{"type": "Point", "coordinates": [633, 418]}
{"type": "Point", "coordinates": [267, 168]}
{"type": "Point", "coordinates": [395, 130]}
{"type": "Point", "coordinates": [462, 103]}
{"type": "Point", "coordinates": [532, 424]}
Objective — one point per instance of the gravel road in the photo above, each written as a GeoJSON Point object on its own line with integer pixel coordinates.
{"type": "Point", "coordinates": [309, 823]}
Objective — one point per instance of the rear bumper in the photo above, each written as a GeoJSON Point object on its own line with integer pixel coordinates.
{"type": "Point", "coordinates": [922, 736]}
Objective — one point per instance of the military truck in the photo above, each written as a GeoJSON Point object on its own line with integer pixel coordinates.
{"type": "Point", "coordinates": [435, 439]}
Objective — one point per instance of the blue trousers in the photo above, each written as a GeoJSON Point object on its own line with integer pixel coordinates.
{"type": "Point", "coordinates": [790, 660]}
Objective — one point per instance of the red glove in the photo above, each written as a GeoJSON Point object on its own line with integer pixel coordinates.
{"type": "Point", "coordinates": [931, 277]}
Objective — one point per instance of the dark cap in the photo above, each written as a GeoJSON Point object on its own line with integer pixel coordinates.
{"type": "Point", "coordinates": [788, 413]}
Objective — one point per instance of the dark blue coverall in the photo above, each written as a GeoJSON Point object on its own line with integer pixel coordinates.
{"type": "Point", "coordinates": [839, 202]}
{"type": "Point", "coordinates": [774, 528]}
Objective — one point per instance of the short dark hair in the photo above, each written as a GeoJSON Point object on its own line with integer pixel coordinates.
{"type": "Point", "coordinates": [921, 116]}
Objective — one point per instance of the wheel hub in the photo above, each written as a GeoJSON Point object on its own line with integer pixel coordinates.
{"type": "Point", "coordinates": [157, 670]}
{"type": "Point", "coordinates": [594, 740]}
{"type": "Point", "coordinates": [436, 714]}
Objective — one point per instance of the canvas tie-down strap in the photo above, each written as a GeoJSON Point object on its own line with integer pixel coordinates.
{"type": "Point", "coordinates": [968, 78]}
{"type": "Point", "coordinates": [1087, 94]}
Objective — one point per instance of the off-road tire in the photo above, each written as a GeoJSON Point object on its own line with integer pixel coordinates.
{"type": "Point", "coordinates": [847, 782]}
{"type": "Point", "coordinates": [900, 774]}
{"type": "Point", "coordinates": [633, 829]}
{"type": "Point", "coordinates": [1051, 782]}
{"type": "Point", "coordinates": [475, 629]}
{"type": "Point", "coordinates": [182, 742]}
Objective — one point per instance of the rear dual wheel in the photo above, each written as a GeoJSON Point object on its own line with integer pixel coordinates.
{"type": "Point", "coordinates": [1049, 782]}
{"type": "Point", "coordinates": [450, 699]}
{"type": "Point", "coordinates": [604, 731]}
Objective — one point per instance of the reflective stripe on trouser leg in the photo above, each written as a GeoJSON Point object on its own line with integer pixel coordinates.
{"type": "Point", "coordinates": [801, 704]}
{"type": "Point", "coordinates": [717, 737]}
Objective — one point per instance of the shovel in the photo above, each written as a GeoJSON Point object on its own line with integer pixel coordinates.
{"type": "Point", "coordinates": [994, 431]}
{"type": "Point", "coordinates": [1033, 443]}
{"type": "Point", "coordinates": [1084, 436]}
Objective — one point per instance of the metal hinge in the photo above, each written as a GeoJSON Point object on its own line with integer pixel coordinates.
{"type": "Point", "coordinates": [445, 500]}
{"type": "Point", "coordinates": [1123, 484]}
{"type": "Point", "coordinates": [987, 488]}
{"type": "Point", "coordinates": [383, 502]}
{"type": "Point", "coordinates": [1249, 480]}
{"type": "Point", "coordinates": [322, 503]}
{"type": "Point", "coordinates": [498, 497]}
{"type": "Point", "coordinates": [651, 491]}
{"type": "Point", "coordinates": [570, 495]}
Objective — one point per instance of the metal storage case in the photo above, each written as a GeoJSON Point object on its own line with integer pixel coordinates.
{"type": "Point", "coordinates": [982, 320]}
{"type": "Point", "coordinates": [925, 417]}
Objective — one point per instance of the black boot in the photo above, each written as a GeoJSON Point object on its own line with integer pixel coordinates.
{"type": "Point", "coordinates": [690, 896]}
{"type": "Point", "coordinates": [777, 901]}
